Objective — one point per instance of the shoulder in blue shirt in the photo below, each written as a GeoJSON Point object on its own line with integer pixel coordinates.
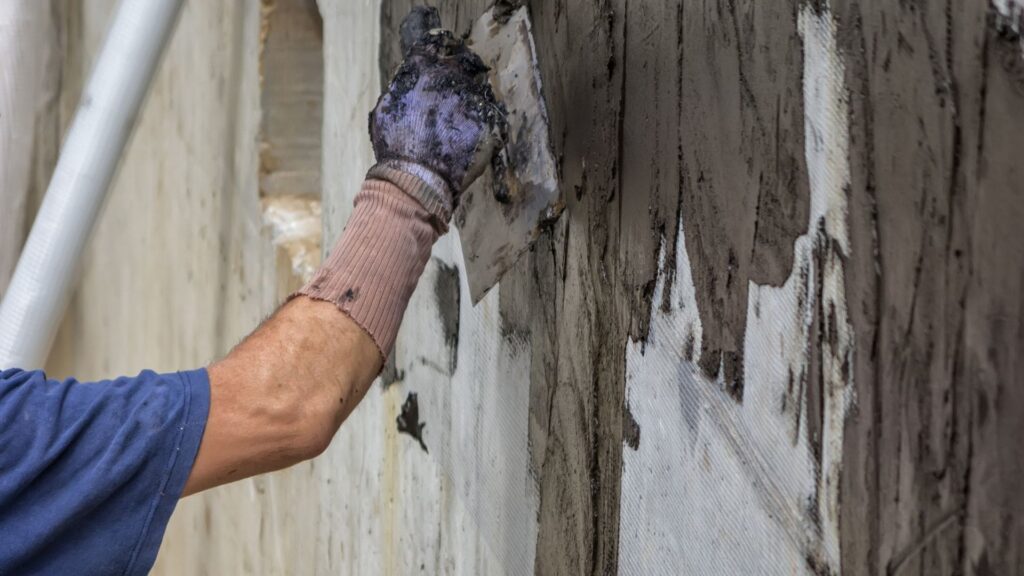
{"type": "Point", "coordinates": [90, 472]}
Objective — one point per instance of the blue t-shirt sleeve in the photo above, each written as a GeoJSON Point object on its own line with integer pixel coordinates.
{"type": "Point", "coordinates": [90, 472]}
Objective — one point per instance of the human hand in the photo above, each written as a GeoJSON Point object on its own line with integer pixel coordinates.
{"type": "Point", "coordinates": [438, 119]}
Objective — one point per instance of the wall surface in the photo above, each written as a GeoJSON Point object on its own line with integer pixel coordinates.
{"type": "Point", "coordinates": [776, 330]}
{"type": "Point", "coordinates": [30, 67]}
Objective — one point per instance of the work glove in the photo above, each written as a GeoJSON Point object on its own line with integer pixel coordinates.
{"type": "Point", "coordinates": [438, 121]}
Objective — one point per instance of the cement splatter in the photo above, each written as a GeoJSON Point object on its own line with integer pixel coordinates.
{"type": "Point", "coordinates": [409, 420]}
{"type": "Point", "coordinates": [449, 298]}
{"type": "Point", "coordinates": [630, 430]}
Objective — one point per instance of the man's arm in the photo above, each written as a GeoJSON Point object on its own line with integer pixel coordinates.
{"type": "Point", "coordinates": [90, 472]}
{"type": "Point", "coordinates": [280, 396]}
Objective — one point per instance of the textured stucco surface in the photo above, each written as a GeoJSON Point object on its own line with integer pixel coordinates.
{"type": "Point", "coordinates": [777, 329]}
{"type": "Point", "coordinates": [840, 173]}
{"type": "Point", "coordinates": [766, 496]}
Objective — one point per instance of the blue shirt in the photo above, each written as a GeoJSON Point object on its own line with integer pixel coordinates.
{"type": "Point", "coordinates": [90, 472]}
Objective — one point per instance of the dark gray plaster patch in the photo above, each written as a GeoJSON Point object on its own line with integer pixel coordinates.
{"type": "Point", "coordinates": [933, 269]}
{"type": "Point", "coordinates": [409, 420]}
{"type": "Point", "coordinates": [630, 429]}
{"type": "Point", "coordinates": [449, 298]}
{"type": "Point", "coordinates": [703, 100]}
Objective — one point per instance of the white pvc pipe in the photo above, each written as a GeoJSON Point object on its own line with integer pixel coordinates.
{"type": "Point", "coordinates": [47, 270]}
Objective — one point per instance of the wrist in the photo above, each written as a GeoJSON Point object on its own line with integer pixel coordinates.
{"type": "Point", "coordinates": [422, 184]}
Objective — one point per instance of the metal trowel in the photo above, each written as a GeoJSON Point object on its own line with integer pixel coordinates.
{"type": "Point", "coordinates": [503, 212]}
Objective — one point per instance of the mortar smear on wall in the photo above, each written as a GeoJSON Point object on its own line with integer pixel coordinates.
{"type": "Point", "coordinates": [716, 487]}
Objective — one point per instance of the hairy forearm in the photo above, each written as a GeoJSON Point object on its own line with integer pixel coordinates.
{"type": "Point", "coordinates": [278, 398]}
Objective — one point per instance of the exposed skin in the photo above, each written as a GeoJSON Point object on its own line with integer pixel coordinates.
{"type": "Point", "coordinates": [279, 397]}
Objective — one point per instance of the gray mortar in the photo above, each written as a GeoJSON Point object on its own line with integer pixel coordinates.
{"type": "Point", "coordinates": [408, 421]}
{"type": "Point", "coordinates": [448, 295]}
{"type": "Point", "coordinates": [661, 111]}
{"type": "Point", "coordinates": [935, 261]}
{"type": "Point", "coordinates": [630, 430]}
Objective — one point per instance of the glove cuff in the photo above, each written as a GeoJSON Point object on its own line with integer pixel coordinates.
{"type": "Point", "coordinates": [374, 267]}
{"type": "Point", "coordinates": [423, 184]}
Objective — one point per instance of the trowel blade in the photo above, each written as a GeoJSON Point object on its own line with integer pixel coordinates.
{"type": "Point", "coordinates": [495, 234]}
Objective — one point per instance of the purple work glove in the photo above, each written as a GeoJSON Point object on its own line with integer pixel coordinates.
{"type": "Point", "coordinates": [438, 120]}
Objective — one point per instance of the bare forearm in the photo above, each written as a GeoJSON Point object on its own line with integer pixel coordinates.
{"type": "Point", "coordinates": [279, 397]}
